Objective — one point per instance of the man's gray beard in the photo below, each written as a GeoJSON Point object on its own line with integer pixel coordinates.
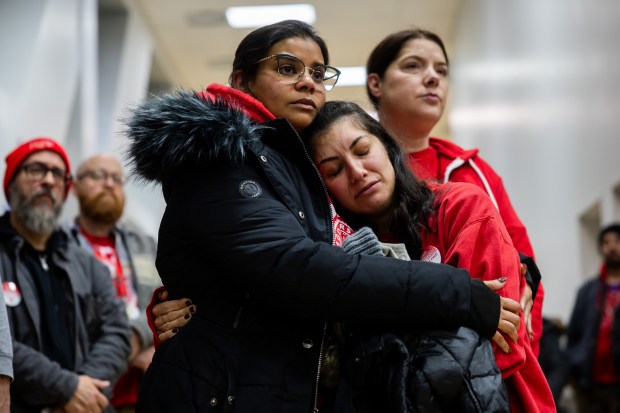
{"type": "Point", "coordinates": [40, 219]}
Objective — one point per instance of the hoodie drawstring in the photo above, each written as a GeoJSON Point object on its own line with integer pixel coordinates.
{"type": "Point", "coordinates": [459, 162]}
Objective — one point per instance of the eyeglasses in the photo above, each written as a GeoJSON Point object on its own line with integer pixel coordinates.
{"type": "Point", "coordinates": [37, 171]}
{"type": "Point", "coordinates": [102, 176]}
{"type": "Point", "coordinates": [291, 70]}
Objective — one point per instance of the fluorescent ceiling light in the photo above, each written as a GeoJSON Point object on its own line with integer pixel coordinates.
{"type": "Point", "coordinates": [352, 76]}
{"type": "Point", "coordinates": [258, 16]}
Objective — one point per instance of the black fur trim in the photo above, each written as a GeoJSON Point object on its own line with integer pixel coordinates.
{"type": "Point", "coordinates": [181, 129]}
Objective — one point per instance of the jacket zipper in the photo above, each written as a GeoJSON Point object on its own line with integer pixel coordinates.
{"type": "Point", "coordinates": [239, 311]}
{"type": "Point", "coordinates": [332, 211]}
{"type": "Point", "coordinates": [318, 371]}
{"type": "Point", "coordinates": [232, 388]}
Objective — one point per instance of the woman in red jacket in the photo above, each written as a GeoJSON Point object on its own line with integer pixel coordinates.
{"type": "Point", "coordinates": [455, 223]}
{"type": "Point", "coordinates": [408, 85]}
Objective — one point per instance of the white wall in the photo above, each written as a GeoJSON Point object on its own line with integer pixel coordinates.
{"type": "Point", "coordinates": [69, 72]}
{"type": "Point", "coordinates": [536, 86]}
{"type": "Point", "coordinates": [38, 75]}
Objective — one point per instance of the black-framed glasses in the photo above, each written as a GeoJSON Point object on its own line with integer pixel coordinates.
{"type": "Point", "coordinates": [103, 176]}
{"type": "Point", "coordinates": [291, 70]}
{"type": "Point", "coordinates": [37, 171]}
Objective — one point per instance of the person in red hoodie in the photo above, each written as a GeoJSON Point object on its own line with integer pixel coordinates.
{"type": "Point", "coordinates": [366, 176]}
{"type": "Point", "coordinates": [408, 85]}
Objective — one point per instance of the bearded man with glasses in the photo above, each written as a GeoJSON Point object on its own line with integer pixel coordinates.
{"type": "Point", "coordinates": [70, 333]}
{"type": "Point", "coordinates": [128, 253]}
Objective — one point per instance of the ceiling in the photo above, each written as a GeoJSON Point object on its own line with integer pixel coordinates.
{"type": "Point", "coordinates": [194, 46]}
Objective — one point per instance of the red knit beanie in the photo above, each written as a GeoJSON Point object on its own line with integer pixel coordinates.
{"type": "Point", "coordinates": [15, 159]}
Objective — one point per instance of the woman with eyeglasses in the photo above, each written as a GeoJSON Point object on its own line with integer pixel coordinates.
{"type": "Point", "coordinates": [251, 237]}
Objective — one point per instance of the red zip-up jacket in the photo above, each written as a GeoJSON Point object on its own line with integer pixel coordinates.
{"type": "Point", "coordinates": [445, 161]}
{"type": "Point", "coordinates": [467, 232]}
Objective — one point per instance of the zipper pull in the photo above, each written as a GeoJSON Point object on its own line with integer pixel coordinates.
{"type": "Point", "coordinates": [43, 259]}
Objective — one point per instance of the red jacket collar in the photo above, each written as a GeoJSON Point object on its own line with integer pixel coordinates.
{"type": "Point", "coordinates": [452, 150]}
{"type": "Point", "coordinates": [248, 104]}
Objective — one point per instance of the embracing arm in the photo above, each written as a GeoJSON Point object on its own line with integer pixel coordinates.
{"type": "Point", "coordinates": [166, 317]}
{"type": "Point", "coordinates": [264, 248]}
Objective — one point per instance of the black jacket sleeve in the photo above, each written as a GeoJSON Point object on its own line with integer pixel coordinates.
{"type": "Point", "coordinates": [261, 245]}
{"type": "Point", "coordinates": [532, 275]}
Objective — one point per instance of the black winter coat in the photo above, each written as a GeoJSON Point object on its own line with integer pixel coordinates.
{"type": "Point", "coordinates": [247, 236]}
{"type": "Point", "coordinates": [429, 371]}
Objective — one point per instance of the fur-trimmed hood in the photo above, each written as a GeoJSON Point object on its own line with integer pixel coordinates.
{"type": "Point", "coordinates": [177, 130]}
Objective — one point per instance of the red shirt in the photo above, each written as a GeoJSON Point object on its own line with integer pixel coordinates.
{"type": "Point", "coordinates": [604, 365]}
{"type": "Point", "coordinates": [126, 388]}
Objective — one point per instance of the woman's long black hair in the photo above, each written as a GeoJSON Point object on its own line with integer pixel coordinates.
{"type": "Point", "coordinates": [413, 200]}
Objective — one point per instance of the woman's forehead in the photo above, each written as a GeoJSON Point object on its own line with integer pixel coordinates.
{"type": "Point", "coordinates": [421, 47]}
{"type": "Point", "coordinates": [305, 49]}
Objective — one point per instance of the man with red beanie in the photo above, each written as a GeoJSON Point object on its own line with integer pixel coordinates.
{"type": "Point", "coordinates": [70, 333]}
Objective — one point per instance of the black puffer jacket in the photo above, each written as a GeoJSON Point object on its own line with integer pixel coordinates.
{"type": "Point", "coordinates": [247, 235]}
{"type": "Point", "coordinates": [428, 371]}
